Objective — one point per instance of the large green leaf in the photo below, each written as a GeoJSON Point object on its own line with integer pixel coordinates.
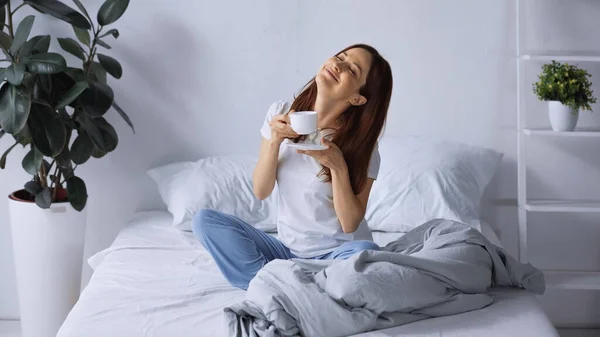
{"type": "Point", "coordinates": [35, 45]}
{"type": "Point", "coordinates": [32, 161]}
{"type": "Point", "coordinates": [111, 65]}
{"type": "Point", "coordinates": [63, 159]}
{"type": "Point", "coordinates": [44, 198]}
{"type": "Point", "coordinates": [113, 32]}
{"type": "Point", "coordinates": [32, 187]}
{"type": "Point", "coordinates": [29, 80]}
{"type": "Point", "coordinates": [82, 9]}
{"type": "Point", "coordinates": [5, 40]}
{"type": "Point", "coordinates": [99, 74]}
{"type": "Point", "coordinates": [111, 11]}
{"type": "Point", "coordinates": [42, 88]}
{"type": "Point", "coordinates": [48, 63]}
{"type": "Point", "coordinates": [72, 94]}
{"type": "Point", "coordinates": [22, 33]}
{"type": "Point", "coordinates": [61, 84]}
{"type": "Point", "coordinates": [76, 74]}
{"type": "Point", "coordinates": [82, 35]}
{"type": "Point", "coordinates": [97, 99]}
{"type": "Point", "coordinates": [15, 73]}
{"type": "Point", "coordinates": [3, 14]}
{"type": "Point", "coordinates": [23, 137]}
{"type": "Point", "coordinates": [39, 93]}
{"type": "Point", "coordinates": [15, 103]}
{"type": "Point", "coordinates": [5, 155]}
{"type": "Point", "coordinates": [103, 44]}
{"type": "Point", "coordinates": [123, 115]}
{"type": "Point", "coordinates": [111, 139]}
{"type": "Point", "coordinates": [102, 134]}
{"type": "Point", "coordinates": [97, 153]}
{"type": "Point", "coordinates": [72, 47]}
{"type": "Point", "coordinates": [77, 193]}
{"type": "Point", "coordinates": [82, 148]}
{"type": "Point", "coordinates": [42, 45]}
{"type": "Point", "coordinates": [60, 11]}
{"type": "Point", "coordinates": [47, 130]}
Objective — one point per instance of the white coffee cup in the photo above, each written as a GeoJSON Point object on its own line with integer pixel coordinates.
{"type": "Point", "coordinates": [304, 122]}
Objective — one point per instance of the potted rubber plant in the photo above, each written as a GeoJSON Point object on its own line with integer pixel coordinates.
{"type": "Point", "coordinates": [57, 112]}
{"type": "Point", "coordinates": [567, 88]}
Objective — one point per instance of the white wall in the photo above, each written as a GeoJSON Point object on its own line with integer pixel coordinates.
{"type": "Point", "coordinates": [199, 76]}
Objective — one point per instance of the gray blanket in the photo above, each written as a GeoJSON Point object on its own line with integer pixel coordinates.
{"type": "Point", "coordinates": [440, 268]}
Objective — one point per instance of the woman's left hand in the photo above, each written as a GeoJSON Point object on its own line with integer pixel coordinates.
{"type": "Point", "coordinates": [331, 157]}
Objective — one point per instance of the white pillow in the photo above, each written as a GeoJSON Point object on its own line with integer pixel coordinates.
{"type": "Point", "coordinates": [222, 183]}
{"type": "Point", "coordinates": [422, 179]}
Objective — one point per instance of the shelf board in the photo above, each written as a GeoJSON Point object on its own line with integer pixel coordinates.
{"type": "Point", "coordinates": [574, 280]}
{"type": "Point", "coordinates": [573, 206]}
{"type": "Point", "coordinates": [561, 58]}
{"type": "Point", "coordinates": [579, 132]}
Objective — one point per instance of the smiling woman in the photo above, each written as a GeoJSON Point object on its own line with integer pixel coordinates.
{"type": "Point", "coordinates": [353, 90]}
{"type": "Point", "coordinates": [322, 194]}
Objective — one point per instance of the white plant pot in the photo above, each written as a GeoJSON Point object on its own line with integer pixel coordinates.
{"type": "Point", "coordinates": [48, 251]}
{"type": "Point", "coordinates": [562, 117]}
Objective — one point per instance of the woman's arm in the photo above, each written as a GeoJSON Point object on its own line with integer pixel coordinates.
{"type": "Point", "coordinates": [349, 207]}
{"type": "Point", "coordinates": [265, 172]}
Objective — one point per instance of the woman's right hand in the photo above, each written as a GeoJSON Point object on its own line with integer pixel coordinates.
{"type": "Point", "coordinates": [281, 128]}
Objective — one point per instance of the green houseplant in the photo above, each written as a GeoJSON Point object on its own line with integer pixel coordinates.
{"type": "Point", "coordinates": [56, 110]}
{"type": "Point", "coordinates": [58, 113]}
{"type": "Point", "coordinates": [567, 88]}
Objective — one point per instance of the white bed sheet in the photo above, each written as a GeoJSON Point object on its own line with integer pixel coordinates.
{"type": "Point", "coordinates": [156, 280]}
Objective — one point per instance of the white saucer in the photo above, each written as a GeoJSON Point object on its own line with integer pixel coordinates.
{"type": "Point", "coordinates": [300, 146]}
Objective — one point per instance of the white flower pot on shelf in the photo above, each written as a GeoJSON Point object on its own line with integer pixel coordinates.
{"type": "Point", "coordinates": [562, 117]}
{"type": "Point", "coordinates": [48, 251]}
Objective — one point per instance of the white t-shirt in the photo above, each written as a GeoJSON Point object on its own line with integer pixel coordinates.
{"type": "Point", "coordinates": [307, 223]}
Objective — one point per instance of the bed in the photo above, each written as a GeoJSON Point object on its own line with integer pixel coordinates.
{"type": "Point", "coordinates": [157, 280]}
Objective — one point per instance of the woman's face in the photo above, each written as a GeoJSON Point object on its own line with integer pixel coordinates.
{"type": "Point", "coordinates": [342, 76]}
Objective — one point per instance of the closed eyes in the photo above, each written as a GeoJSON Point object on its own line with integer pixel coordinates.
{"type": "Point", "coordinates": [352, 71]}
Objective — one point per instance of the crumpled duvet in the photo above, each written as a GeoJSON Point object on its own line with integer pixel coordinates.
{"type": "Point", "coordinates": [442, 267]}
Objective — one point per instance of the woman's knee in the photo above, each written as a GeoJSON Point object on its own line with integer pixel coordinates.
{"type": "Point", "coordinates": [203, 221]}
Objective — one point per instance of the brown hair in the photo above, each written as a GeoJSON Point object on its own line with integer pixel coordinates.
{"type": "Point", "coordinates": [358, 127]}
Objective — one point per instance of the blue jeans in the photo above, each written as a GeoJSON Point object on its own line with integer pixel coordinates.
{"type": "Point", "coordinates": [241, 250]}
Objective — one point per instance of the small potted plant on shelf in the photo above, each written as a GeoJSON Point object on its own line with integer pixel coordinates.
{"type": "Point", "coordinates": [58, 113]}
{"type": "Point", "coordinates": [567, 89]}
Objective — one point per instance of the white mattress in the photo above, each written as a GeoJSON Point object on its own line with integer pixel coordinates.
{"type": "Point", "coordinates": [159, 281]}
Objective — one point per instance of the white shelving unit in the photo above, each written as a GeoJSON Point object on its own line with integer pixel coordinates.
{"type": "Point", "coordinates": [573, 206]}
{"type": "Point", "coordinates": [562, 279]}
{"type": "Point", "coordinates": [573, 280]}
{"type": "Point", "coordinates": [561, 58]}
{"type": "Point", "coordinates": [549, 132]}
